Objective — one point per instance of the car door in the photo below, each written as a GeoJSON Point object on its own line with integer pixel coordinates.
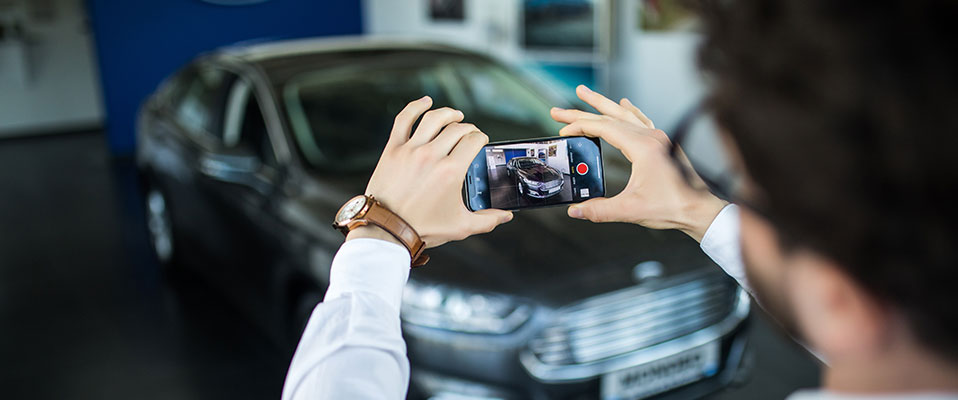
{"type": "Point", "coordinates": [185, 127]}
{"type": "Point", "coordinates": [242, 181]}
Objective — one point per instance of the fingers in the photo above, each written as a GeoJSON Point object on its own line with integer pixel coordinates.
{"type": "Point", "coordinates": [432, 123]}
{"type": "Point", "coordinates": [604, 129]}
{"type": "Point", "coordinates": [568, 116]}
{"type": "Point", "coordinates": [599, 209]}
{"type": "Point", "coordinates": [603, 104]}
{"type": "Point", "coordinates": [637, 112]}
{"type": "Point", "coordinates": [466, 150]}
{"type": "Point", "coordinates": [405, 119]}
{"type": "Point", "coordinates": [450, 136]}
{"type": "Point", "coordinates": [486, 220]}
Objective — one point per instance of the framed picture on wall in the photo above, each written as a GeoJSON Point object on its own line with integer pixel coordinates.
{"type": "Point", "coordinates": [666, 16]}
{"type": "Point", "coordinates": [447, 10]}
{"type": "Point", "coordinates": [569, 30]}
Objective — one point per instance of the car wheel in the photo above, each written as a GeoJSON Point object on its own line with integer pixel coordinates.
{"type": "Point", "coordinates": [159, 225]}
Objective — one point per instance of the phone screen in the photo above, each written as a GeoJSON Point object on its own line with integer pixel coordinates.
{"type": "Point", "coordinates": [535, 173]}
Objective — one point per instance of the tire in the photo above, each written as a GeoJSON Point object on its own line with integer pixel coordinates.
{"type": "Point", "coordinates": [159, 226]}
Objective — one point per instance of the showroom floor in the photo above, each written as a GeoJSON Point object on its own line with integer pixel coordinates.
{"type": "Point", "coordinates": [86, 315]}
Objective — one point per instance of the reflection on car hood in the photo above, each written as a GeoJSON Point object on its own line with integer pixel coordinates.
{"type": "Point", "coordinates": [539, 173]}
{"type": "Point", "coordinates": [541, 254]}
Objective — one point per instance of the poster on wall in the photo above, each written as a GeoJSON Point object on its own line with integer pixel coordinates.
{"type": "Point", "coordinates": [447, 10]}
{"type": "Point", "coordinates": [666, 16]}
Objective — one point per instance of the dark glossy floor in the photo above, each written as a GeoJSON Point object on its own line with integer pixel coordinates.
{"type": "Point", "coordinates": [84, 313]}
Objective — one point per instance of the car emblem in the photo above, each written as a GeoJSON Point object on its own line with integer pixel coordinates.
{"type": "Point", "coordinates": [647, 270]}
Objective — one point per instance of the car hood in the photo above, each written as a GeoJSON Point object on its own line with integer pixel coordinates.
{"type": "Point", "coordinates": [539, 173]}
{"type": "Point", "coordinates": [542, 254]}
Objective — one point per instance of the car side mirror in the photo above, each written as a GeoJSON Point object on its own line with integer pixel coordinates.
{"type": "Point", "coordinates": [237, 166]}
{"type": "Point", "coordinates": [225, 166]}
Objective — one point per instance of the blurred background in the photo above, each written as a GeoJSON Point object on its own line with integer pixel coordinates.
{"type": "Point", "coordinates": [100, 293]}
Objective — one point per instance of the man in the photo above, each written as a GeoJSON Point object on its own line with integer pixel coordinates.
{"type": "Point", "coordinates": [837, 116]}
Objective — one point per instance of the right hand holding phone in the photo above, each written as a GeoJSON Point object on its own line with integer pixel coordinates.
{"type": "Point", "coordinates": [657, 196]}
{"type": "Point", "coordinates": [420, 177]}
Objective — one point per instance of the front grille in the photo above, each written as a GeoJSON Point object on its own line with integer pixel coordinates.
{"type": "Point", "coordinates": [634, 318]}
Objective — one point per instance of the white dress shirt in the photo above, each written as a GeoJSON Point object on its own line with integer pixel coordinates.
{"type": "Point", "coordinates": [353, 348]}
{"type": "Point", "coordinates": [721, 244]}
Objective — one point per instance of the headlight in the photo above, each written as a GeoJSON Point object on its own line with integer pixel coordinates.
{"type": "Point", "coordinates": [442, 307]}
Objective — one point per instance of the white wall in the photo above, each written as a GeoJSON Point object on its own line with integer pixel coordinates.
{"type": "Point", "coordinates": [490, 25]}
{"type": "Point", "coordinates": [560, 161]}
{"type": "Point", "coordinates": [655, 70]}
{"type": "Point", "coordinates": [60, 87]}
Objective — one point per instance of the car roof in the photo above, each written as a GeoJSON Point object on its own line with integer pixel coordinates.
{"type": "Point", "coordinates": [262, 51]}
{"type": "Point", "coordinates": [282, 58]}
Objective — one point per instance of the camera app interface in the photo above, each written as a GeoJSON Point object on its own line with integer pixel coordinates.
{"type": "Point", "coordinates": [537, 173]}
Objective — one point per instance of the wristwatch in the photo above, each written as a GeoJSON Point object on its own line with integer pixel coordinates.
{"type": "Point", "coordinates": [363, 210]}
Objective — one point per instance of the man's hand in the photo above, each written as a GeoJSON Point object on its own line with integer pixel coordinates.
{"type": "Point", "coordinates": [420, 178]}
{"type": "Point", "coordinates": [657, 196]}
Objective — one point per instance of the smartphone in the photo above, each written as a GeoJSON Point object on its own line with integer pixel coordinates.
{"type": "Point", "coordinates": [534, 173]}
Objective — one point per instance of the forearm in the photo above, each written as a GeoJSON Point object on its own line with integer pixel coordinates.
{"type": "Point", "coordinates": [697, 215]}
{"type": "Point", "coordinates": [355, 328]}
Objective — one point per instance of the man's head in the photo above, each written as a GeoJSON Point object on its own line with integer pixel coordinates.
{"type": "Point", "coordinates": [844, 116]}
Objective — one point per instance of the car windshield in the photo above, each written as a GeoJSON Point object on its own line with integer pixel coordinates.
{"type": "Point", "coordinates": [529, 163]}
{"type": "Point", "coordinates": [341, 115]}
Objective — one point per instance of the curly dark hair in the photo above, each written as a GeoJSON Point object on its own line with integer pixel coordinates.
{"type": "Point", "coordinates": [845, 116]}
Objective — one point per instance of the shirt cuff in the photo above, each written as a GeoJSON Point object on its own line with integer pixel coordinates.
{"type": "Point", "coordinates": [722, 243]}
{"type": "Point", "coordinates": [372, 266]}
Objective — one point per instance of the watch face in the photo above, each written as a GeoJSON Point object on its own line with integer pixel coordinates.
{"type": "Point", "coordinates": [350, 209]}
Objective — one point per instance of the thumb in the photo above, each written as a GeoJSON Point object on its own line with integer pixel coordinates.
{"type": "Point", "coordinates": [599, 209]}
{"type": "Point", "coordinates": [488, 219]}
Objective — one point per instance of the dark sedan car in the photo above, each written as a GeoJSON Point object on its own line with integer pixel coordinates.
{"type": "Point", "coordinates": [534, 178]}
{"type": "Point", "coordinates": [247, 153]}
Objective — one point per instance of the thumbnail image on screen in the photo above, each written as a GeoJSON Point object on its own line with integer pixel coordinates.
{"type": "Point", "coordinates": [538, 173]}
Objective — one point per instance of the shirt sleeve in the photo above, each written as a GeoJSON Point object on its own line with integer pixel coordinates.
{"type": "Point", "coordinates": [722, 243]}
{"type": "Point", "coordinates": [352, 347]}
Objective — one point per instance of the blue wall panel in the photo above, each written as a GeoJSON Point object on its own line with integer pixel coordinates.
{"type": "Point", "coordinates": [140, 42]}
{"type": "Point", "coordinates": [513, 153]}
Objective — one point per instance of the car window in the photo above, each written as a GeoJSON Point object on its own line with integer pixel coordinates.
{"type": "Point", "coordinates": [200, 103]}
{"type": "Point", "coordinates": [497, 93]}
{"type": "Point", "coordinates": [341, 116]}
{"type": "Point", "coordinates": [244, 126]}
{"type": "Point", "coordinates": [529, 163]}
{"type": "Point", "coordinates": [172, 91]}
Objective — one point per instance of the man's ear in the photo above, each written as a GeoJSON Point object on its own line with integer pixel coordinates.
{"type": "Point", "coordinates": [838, 316]}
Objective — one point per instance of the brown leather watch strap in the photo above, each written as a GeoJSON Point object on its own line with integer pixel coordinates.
{"type": "Point", "coordinates": [379, 215]}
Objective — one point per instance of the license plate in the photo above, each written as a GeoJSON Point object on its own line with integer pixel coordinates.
{"type": "Point", "coordinates": [660, 375]}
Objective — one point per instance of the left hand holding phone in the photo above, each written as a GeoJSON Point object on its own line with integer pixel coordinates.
{"type": "Point", "coordinates": [420, 177]}
{"type": "Point", "coordinates": [657, 196]}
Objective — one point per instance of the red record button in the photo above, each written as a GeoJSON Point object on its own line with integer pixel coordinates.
{"type": "Point", "coordinates": [582, 168]}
